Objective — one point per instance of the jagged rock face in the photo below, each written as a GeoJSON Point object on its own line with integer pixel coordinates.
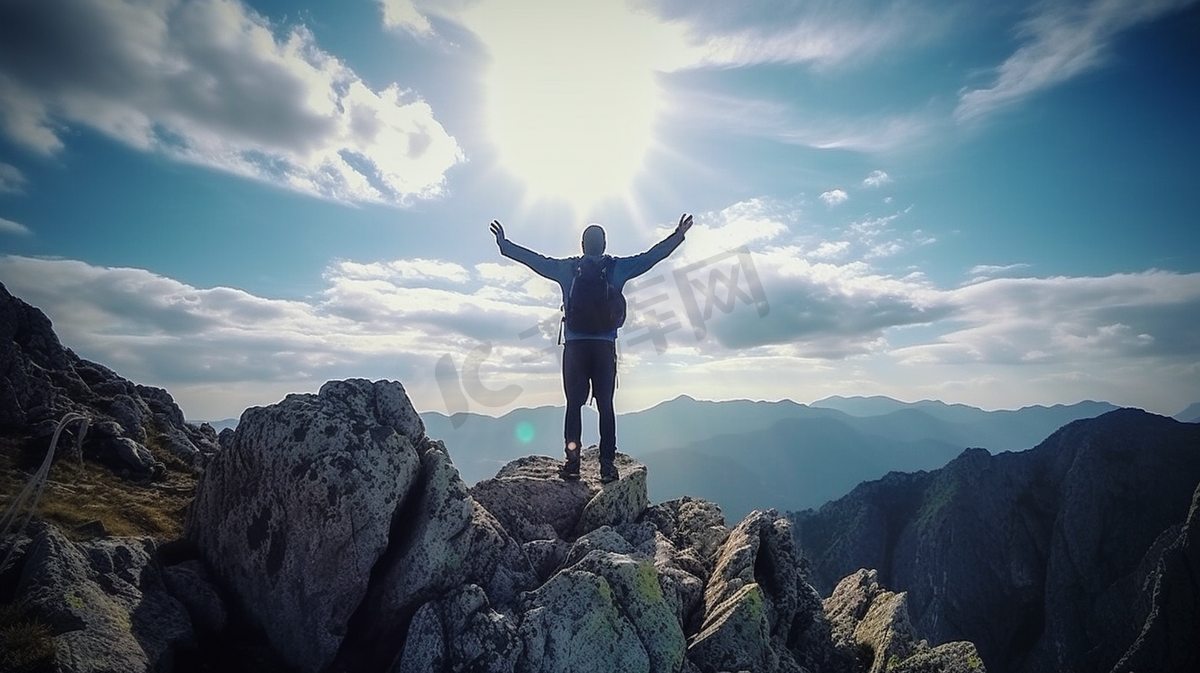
{"type": "Point", "coordinates": [871, 628]}
{"type": "Point", "coordinates": [294, 515]}
{"type": "Point", "coordinates": [41, 381]}
{"type": "Point", "coordinates": [443, 540]}
{"type": "Point", "coordinates": [1033, 556]}
{"type": "Point", "coordinates": [105, 603]}
{"type": "Point", "coordinates": [1170, 637]}
{"type": "Point", "coordinates": [761, 614]}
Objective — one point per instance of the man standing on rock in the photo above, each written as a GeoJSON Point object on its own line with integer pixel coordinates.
{"type": "Point", "coordinates": [593, 311]}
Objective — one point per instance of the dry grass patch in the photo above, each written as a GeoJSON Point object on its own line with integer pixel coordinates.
{"type": "Point", "coordinates": [80, 492]}
{"type": "Point", "coordinates": [26, 645]}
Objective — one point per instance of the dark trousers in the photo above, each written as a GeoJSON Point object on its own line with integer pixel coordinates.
{"type": "Point", "coordinates": [590, 364]}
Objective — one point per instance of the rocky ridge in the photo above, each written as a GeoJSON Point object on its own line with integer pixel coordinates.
{"type": "Point", "coordinates": [41, 381]}
{"type": "Point", "coordinates": [348, 536]}
{"type": "Point", "coordinates": [1055, 558]}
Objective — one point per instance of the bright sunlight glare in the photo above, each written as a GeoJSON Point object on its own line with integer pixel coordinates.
{"type": "Point", "coordinates": [572, 95]}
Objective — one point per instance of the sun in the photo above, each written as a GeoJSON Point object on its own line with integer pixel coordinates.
{"type": "Point", "coordinates": [571, 95]}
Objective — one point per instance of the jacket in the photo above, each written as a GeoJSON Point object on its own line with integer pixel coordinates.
{"type": "Point", "coordinates": [562, 271]}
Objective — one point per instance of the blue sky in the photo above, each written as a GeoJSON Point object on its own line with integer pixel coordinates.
{"type": "Point", "coordinates": [993, 205]}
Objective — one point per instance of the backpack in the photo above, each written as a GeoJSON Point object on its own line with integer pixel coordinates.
{"type": "Point", "coordinates": [594, 305]}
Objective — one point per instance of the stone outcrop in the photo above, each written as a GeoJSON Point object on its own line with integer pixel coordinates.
{"type": "Point", "coordinates": [104, 602]}
{"type": "Point", "coordinates": [872, 628]}
{"type": "Point", "coordinates": [1170, 637]}
{"type": "Point", "coordinates": [41, 381]}
{"type": "Point", "coordinates": [348, 537]}
{"type": "Point", "coordinates": [1039, 558]}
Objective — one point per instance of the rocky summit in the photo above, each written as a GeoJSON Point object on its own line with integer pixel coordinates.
{"type": "Point", "coordinates": [346, 535]}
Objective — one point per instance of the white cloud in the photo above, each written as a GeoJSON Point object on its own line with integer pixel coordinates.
{"type": "Point", "coordinates": [402, 14]}
{"type": "Point", "coordinates": [834, 197]}
{"type": "Point", "coordinates": [786, 123]}
{"type": "Point", "coordinates": [1061, 41]}
{"type": "Point", "coordinates": [402, 271]}
{"type": "Point", "coordinates": [212, 82]}
{"type": "Point", "coordinates": [12, 180]}
{"type": "Point", "coordinates": [830, 250]}
{"type": "Point", "coordinates": [502, 274]}
{"type": "Point", "coordinates": [876, 179]}
{"type": "Point", "coordinates": [982, 272]}
{"type": "Point", "coordinates": [10, 227]}
{"type": "Point", "coordinates": [1083, 321]}
{"type": "Point", "coordinates": [738, 34]}
{"type": "Point", "coordinates": [995, 269]}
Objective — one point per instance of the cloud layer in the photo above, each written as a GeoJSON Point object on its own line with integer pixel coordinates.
{"type": "Point", "coordinates": [213, 83]}
{"type": "Point", "coordinates": [753, 288]}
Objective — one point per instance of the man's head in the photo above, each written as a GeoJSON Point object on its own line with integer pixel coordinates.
{"type": "Point", "coordinates": [593, 240]}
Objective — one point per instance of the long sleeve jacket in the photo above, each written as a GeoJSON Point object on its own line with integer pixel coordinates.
{"type": "Point", "coordinates": [562, 271]}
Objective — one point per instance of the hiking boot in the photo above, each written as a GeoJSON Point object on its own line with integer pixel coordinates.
{"type": "Point", "coordinates": [608, 473]}
{"type": "Point", "coordinates": [570, 467]}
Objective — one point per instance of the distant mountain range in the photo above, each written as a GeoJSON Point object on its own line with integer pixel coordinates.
{"type": "Point", "coordinates": [1189, 415]}
{"type": "Point", "coordinates": [748, 455]}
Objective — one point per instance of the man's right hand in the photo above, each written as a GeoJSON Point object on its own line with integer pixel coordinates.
{"type": "Point", "coordinates": [498, 231]}
{"type": "Point", "coordinates": [685, 223]}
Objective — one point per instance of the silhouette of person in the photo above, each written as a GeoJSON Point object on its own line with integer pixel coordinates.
{"type": "Point", "coordinates": [590, 359]}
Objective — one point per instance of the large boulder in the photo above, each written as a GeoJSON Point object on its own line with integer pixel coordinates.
{"type": "Point", "coordinates": [295, 514]}
{"type": "Point", "coordinates": [460, 632]}
{"type": "Point", "coordinates": [443, 540]}
{"type": "Point", "coordinates": [533, 503]}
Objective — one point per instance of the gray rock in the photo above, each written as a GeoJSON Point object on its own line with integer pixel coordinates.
{"type": "Point", "coordinates": [295, 514]}
{"type": "Point", "coordinates": [533, 503]}
{"type": "Point", "coordinates": [189, 583]}
{"type": "Point", "coordinates": [41, 381]}
{"type": "Point", "coordinates": [696, 529]}
{"type": "Point", "coordinates": [615, 503]}
{"type": "Point", "coordinates": [460, 632]}
{"type": "Point", "coordinates": [104, 602]}
{"type": "Point", "coordinates": [759, 610]}
{"type": "Point", "coordinates": [573, 623]}
{"type": "Point", "coordinates": [956, 657]}
{"type": "Point", "coordinates": [762, 549]}
{"type": "Point", "coordinates": [443, 539]}
{"type": "Point", "coordinates": [640, 600]}
{"type": "Point", "coordinates": [871, 628]}
{"type": "Point", "coordinates": [546, 556]}
{"type": "Point", "coordinates": [866, 618]}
